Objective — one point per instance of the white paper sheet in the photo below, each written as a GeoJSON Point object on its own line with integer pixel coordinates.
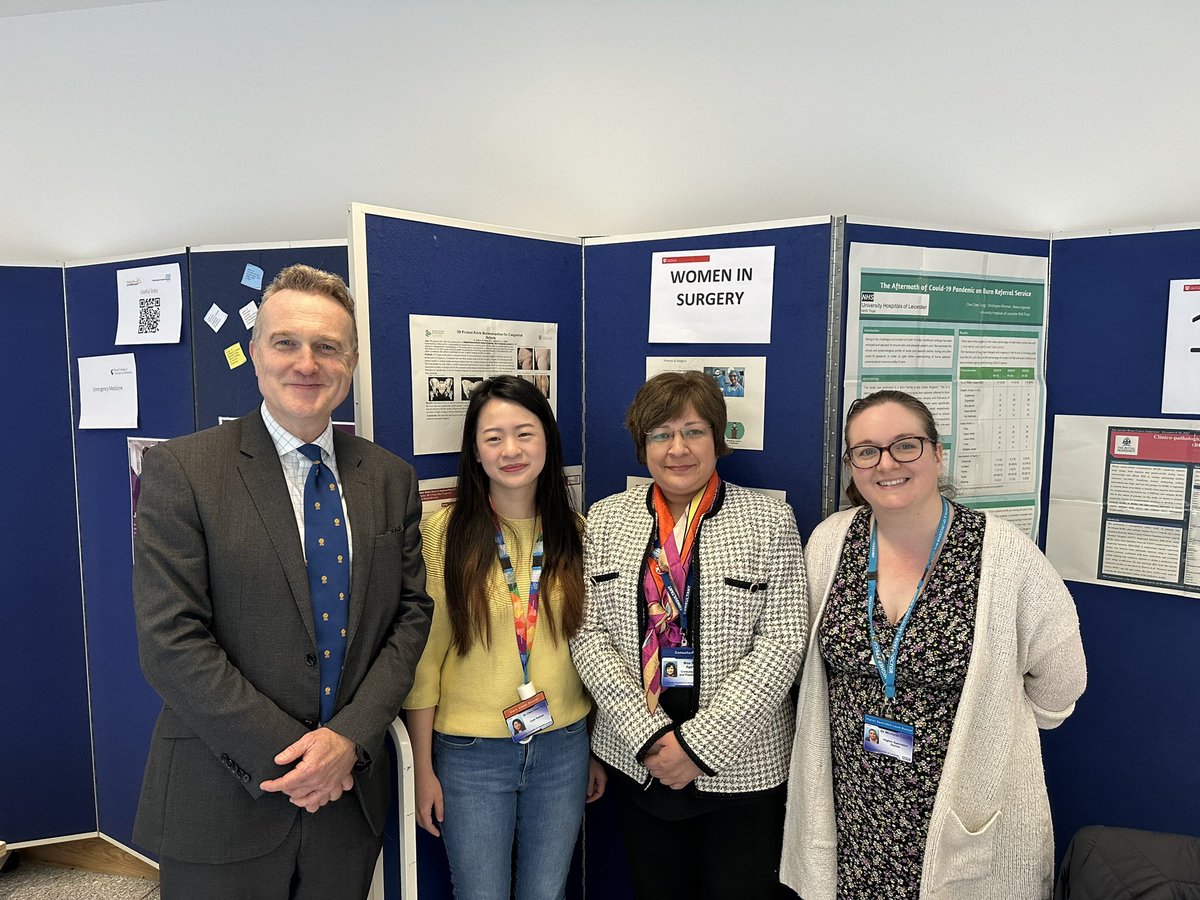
{"type": "Point", "coordinates": [149, 305]}
{"type": "Point", "coordinates": [712, 296]}
{"type": "Point", "coordinates": [108, 391]}
{"type": "Point", "coordinates": [1181, 360]}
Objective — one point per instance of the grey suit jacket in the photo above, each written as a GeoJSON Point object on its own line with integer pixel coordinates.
{"type": "Point", "coordinates": [225, 633]}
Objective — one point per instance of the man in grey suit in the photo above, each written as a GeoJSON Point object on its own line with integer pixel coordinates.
{"type": "Point", "coordinates": [267, 774]}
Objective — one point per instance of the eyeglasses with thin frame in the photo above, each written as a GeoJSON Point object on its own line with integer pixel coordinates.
{"type": "Point", "coordinates": [689, 435]}
{"type": "Point", "coordinates": [902, 450]}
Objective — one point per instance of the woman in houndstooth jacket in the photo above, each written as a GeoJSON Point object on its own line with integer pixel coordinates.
{"type": "Point", "coordinates": [694, 629]}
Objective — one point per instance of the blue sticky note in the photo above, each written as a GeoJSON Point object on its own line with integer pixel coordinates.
{"type": "Point", "coordinates": [252, 277]}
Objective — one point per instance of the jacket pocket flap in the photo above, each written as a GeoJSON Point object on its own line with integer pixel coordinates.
{"type": "Point", "coordinates": [746, 584]}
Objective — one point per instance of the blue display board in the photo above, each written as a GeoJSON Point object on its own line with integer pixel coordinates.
{"type": "Point", "coordinates": [617, 307]}
{"type": "Point", "coordinates": [124, 706]}
{"type": "Point", "coordinates": [457, 269]}
{"type": "Point", "coordinates": [216, 278]}
{"type": "Point", "coordinates": [46, 754]}
{"type": "Point", "coordinates": [1126, 757]}
{"type": "Point", "coordinates": [439, 269]}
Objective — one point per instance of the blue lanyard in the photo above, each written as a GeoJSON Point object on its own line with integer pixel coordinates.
{"type": "Point", "coordinates": [887, 669]}
{"type": "Point", "coordinates": [660, 557]}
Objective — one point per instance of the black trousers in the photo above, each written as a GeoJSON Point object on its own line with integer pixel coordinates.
{"type": "Point", "coordinates": [729, 854]}
{"type": "Point", "coordinates": [327, 855]}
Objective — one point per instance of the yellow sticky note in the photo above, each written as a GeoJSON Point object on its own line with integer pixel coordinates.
{"type": "Point", "coordinates": [234, 355]}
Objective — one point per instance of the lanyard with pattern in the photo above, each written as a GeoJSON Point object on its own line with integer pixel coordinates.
{"type": "Point", "coordinates": [524, 624]}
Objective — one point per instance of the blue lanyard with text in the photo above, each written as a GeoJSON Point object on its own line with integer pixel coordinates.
{"type": "Point", "coordinates": [664, 570]}
{"type": "Point", "coordinates": [887, 669]}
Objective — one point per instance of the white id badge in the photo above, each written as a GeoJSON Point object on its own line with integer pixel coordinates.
{"type": "Point", "coordinates": [678, 667]}
{"type": "Point", "coordinates": [888, 738]}
{"type": "Point", "coordinates": [527, 718]}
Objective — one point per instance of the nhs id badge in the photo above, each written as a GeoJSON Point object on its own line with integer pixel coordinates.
{"type": "Point", "coordinates": [527, 718]}
{"type": "Point", "coordinates": [678, 667]}
{"type": "Point", "coordinates": [888, 738]}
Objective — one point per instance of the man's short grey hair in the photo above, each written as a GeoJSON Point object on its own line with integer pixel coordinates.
{"type": "Point", "coordinates": [310, 280]}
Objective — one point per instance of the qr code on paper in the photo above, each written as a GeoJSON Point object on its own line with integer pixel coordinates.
{"type": "Point", "coordinates": [150, 314]}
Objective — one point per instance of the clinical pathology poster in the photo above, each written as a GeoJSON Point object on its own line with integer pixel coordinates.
{"type": "Point", "coordinates": [965, 332]}
{"type": "Point", "coordinates": [451, 355]}
{"type": "Point", "coordinates": [1125, 503]}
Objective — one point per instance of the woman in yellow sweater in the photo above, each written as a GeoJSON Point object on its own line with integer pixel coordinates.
{"type": "Point", "coordinates": [497, 715]}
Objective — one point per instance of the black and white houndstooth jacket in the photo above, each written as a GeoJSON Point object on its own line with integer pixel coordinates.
{"type": "Point", "coordinates": [752, 627]}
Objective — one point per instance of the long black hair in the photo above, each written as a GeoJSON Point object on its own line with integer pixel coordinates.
{"type": "Point", "coordinates": [471, 530]}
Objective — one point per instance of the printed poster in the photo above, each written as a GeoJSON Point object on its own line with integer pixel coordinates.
{"type": "Point", "coordinates": [743, 382]}
{"type": "Point", "coordinates": [1125, 503]}
{"type": "Point", "coordinates": [965, 332]}
{"type": "Point", "coordinates": [451, 355]}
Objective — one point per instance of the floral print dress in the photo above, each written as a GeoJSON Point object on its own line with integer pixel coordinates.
{"type": "Point", "coordinates": [883, 805]}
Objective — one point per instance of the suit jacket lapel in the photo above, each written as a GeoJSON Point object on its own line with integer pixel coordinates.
{"type": "Point", "coordinates": [361, 502]}
{"type": "Point", "coordinates": [262, 474]}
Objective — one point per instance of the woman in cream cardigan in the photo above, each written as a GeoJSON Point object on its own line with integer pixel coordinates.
{"type": "Point", "coordinates": [942, 641]}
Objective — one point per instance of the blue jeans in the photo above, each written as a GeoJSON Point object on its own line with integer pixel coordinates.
{"type": "Point", "coordinates": [493, 791]}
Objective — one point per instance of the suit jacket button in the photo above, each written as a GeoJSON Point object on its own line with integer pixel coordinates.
{"type": "Point", "coordinates": [310, 723]}
{"type": "Point", "coordinates": [310, 660]}
{"type": "Point", "coordinates": [245, 778]}
{"type": "Point", "coordinates": [225, 758]}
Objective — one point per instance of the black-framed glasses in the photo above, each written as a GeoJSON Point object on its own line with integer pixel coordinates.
{"type": "Point", "coordinates": [902, 450]}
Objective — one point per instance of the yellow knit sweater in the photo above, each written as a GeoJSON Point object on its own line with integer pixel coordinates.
{"type": "Point", "coordinates": [470, 691]}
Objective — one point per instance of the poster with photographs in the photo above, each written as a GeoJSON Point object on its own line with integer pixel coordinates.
{"type": "Point", "coordinates": [451, 355]}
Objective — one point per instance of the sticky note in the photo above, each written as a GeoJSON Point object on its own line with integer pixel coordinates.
{"type": "Point", "coordinates": [252, 277]}
{"type": "Point", "coordinates": [234, 356]}
{"type": "Point", "coordinates": [249, 313]}
{"type": "Point", "coordinates": [215, 317]}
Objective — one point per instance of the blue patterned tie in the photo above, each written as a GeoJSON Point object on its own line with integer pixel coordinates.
{"type": "Point", "coordinates": [327, 552]}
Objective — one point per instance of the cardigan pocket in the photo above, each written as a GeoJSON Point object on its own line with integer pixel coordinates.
{"type": "Point", "coordinates": [965, 858]}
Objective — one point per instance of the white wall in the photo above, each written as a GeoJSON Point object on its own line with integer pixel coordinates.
{"type": "Point", "coordinates": [136, 127]}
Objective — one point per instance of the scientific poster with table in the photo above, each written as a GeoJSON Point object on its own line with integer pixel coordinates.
{"type": "Point", "coordinates": [1125, 502]}
{"type": "Point", "coordinates": [964, 331]}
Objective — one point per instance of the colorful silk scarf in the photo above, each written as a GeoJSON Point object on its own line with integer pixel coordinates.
{"type": "Point", "coordinates": [667, 596]}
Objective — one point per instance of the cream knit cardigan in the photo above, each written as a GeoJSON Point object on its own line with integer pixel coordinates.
{"type": "Point", "coordinates": [989, 834]}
